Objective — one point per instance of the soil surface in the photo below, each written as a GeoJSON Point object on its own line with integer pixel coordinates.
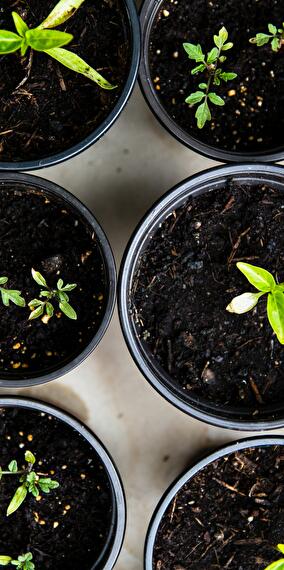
{"type": "Point", "coordinates": [252, 118]}
{"type": "Point", "coordinates": [42, 233]}
{"type": "Point", "coordinates": [81, 505]}
{"type": "Point", "coordinates": [230, 515]}
{"type": "Point", "coordinates": [186, 278]}
{"type": "Point", "coordinates": [57, 108]}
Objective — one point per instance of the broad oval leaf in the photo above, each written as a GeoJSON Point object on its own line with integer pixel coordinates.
{"type": "Point", "coordinates": [258, 277]}
{"type": "Point", "coordinates": [278, 565]}
{"type": "Point", "coordinates": [202, 114]}
{"type": "Point", "coordinates": [13, 466]}
{"type": "Point", "coordinates": [20, 25]}
{"type": "Point", "coordinates": [36, 313]}
{"type": "Point", "coordinates": [29, 457]}
{"type": "Point", "coordinates": [5, 560]}
{"type": "Point", "coordinates": [17, 500]}
{"type": "Point", "coordinates": [212, 55]}
{"type": "Point", "coordinates": [275, 312]}
{"type": "Point", "coordinates": [260, 39]}
{"type": "Point", "coordinates": [68, 310]}
{"type": "Point", "coordinates": [3, 280]}
{"type": "Point", "coordinates": [64, 10]}
{"type": "Point", "coordinates": [77, 64]}
{"type": "Point", "coordinates": [42, 40]}
{"type": "Point", "coordinates": [272, 29]}
{"type": "Point", "coordinates": [195, 98]}
{"type": "Point", "coordinates": [9, 42]}
{"type": "Point", "coordinates": [216, 100]}
{"type": "Point", "coordinates": [39, 279]}
{"type": "Point", "coordinates": [244, 303]}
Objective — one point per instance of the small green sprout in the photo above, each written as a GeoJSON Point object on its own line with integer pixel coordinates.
{"type": "Point", "coordinates": [23, 562]}
{"type": "Point", "coordinates": [279, 564]}
{"type": "Point", "coordinates": [275, 36]}
{"type": "Point", "coordinates": [39, 307]}
{"type": "Point", "coordinates": [265, 283]}
{"type": "Point", "coordinates": [212, 65]}
{"type": "Point", "coordinates": [12, 295]}
{"type": "Point", "coordinates": [49, 41]}
{"type": "Point", "coordinates": [30, 480]}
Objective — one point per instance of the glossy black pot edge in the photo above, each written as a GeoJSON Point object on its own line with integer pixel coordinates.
{"type": "Point", "coordinates": [117, 530]}
{"type": "Point", "coordinates": [148, 13]}
{"type": "Point", "coordinates": [27, 380]}
{"type": "Point", "coordinates": [175, 487]}
{"type": "Point", "coordinates": [52, 160]}
{"type": "Point", "coordinates": [160, 381]}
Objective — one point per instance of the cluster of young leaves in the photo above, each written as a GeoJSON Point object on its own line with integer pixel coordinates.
{"type": "Point", "coordinates": [10, 295]}
{"type": "Point", "coordinates": [23, 562]}
{"type": "Point", "coordinates": [279, 564]}
{"type": "Point", "coordinates": [31, 482]}
{"type": "Point", "coordinates": [45, 39]}
{"type": "Point", "coordinates": [265, 283]}
{"type": "Point", "coordinates": [40, 307]}
{"type": "Point", "coordinates": [275, 36]}
{"type": "Point", "coordinates": [212, 65]}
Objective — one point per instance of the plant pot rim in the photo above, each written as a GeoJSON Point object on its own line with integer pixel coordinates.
{"type": "Point", "coordinates": [176, 486]}
{"type": "Point", "coordinates": [74, 150]}
{"type": "Point", "coordinates": [33, 379]}
{"type": "Point", "coordinates": [148, 12]}
{"type": "Point", "coordinates": [200, 409]}
{"type": "Point", "coordinates": [118, 496]}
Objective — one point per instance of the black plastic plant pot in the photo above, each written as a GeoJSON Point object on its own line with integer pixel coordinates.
{"type": "Point", "coordinates": [181, 510]}
{"type": "Point", "coordinates": [79, 462]}
{"type": "Point", "coordinates": [155, 79]}
{"type": "Point", "coordinates": [47, 229]}
{"type": "Point", "coordinates": [212, 187]}
{"type": "Point", "coordinates": [126, 47]}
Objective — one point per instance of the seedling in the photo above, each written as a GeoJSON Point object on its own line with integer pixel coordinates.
{"type": "Point", "coordinates": [265, 283]}
{"type": "Point", "coordinates": [49, 41]}
{"type": "Point", "coordinates": [23, 562]}
{"type": "Point", "coordinates": [212, 65]}
{"type": "Point", "coordinates": [12, 295]}
{"type": "Point", "coordinates": [279, 564]}
{"type": "Point", "coordinates": [39, 307]}
{"type": "Point", "coordinates": [31, 482]}
{"type": "Point", "coordinates": [275, 36]}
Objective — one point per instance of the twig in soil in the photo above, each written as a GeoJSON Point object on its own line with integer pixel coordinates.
{"type": "Point", "coordinates": [28, 72]}
{"type": "Point", "coordinates": [236, 245]}
{"type": "Point", "coordinates": [229, 205]}
{"type": "Point", "coordinates": [257, 338]}
{"type": "Point", "coordinates": [256, 391]}
{"type": "Point", "coordinates": [229, 561]}
{"type": "Point", "coordinates": [173, 509]}
{"type": "Point", "coordinates": [229, 487]}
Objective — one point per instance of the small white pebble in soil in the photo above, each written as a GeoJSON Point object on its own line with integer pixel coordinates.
{"type": "Point", "coordinates": [55, 524]}
{"type": "Point", "coordinates": [166, 13]}
{"type": "Point", "coordinates": [64, 467]}
{"type": "Point", "coordinates": [83, 476]}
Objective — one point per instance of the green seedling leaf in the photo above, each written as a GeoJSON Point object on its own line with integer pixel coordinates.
{"type": "Point", "coordinates": [260, 39]}
{"type": "Point", "coordinates": [198, 69]}
{"type": "Point", "coordinates": [276, 44]}
{"type": "Point", "coordinates": [202, 114]}
{"type": "Point", "coordinates": [3, 280]}
{"type": "Point", "coordinates": [221, 38]}
{"type": "Point", "coordinates": [17, 499]}
{"type": "Point", "coordinates": [275, 312]}
{"type": "Point", "coordinates": [280, 547]}
{"type": "Point", "coordinates": [9, 42]}
{"type": "Point", "coordinates": [258, 277]}
{"type": "Point", "coordinates": [202, 86]}
{"type": "Point", "coordinates": [20, 25]}
{"type": "Point", "coordinates": [29, 457]}
{"type": "Point", "coordinates": [227, 76]}
{"type": "Point", "coordinates": [49, 309]}
{"type": "Point", "coordinates": [64, 10]}
{"type": "Point", "coordinates": [212, 55]}
{"type": "Point", "coordinates": [278, 565]}
{"type": "Point", "coordinates": [244, 303]}
{"type": "Point", "coordinates": [39, 279]}
{"type": "Point", "coordinates": [68, 310]}
{"type": "Point", "coordinates": [227, 46]}
{"type": "Point", "coordinates": [272, 29]}
{"type": "Point", "coordinates": [77, 64]}
{"type": "Point", "coordinates": [216, 100]}
{"type": "Point", "coordinates": [68, 287]}
{"type": "Point", "coordinates": [194, 52]}
{"type": "Point", "coordinates": [43, 40]}
{"type": "Point", "coordinates": [5, 560]}
{"type": "Point", "coordinates": [195, 97]}
{"type": "Point", "coordinates": [37, 313]}
{"type": "Point", "coordinates": [13, 466]}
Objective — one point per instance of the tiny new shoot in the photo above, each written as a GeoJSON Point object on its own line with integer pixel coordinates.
{"type": "Point", "coordinates": [44, 305]}
{"type": "Point", "coordinates": [50, 41]}
{"type": "Point", "coordinates": [23, 562]}
{"type": "Point", "coordinates": [275, 37]}
{"type": "Point", "coordinates": [12, 295]}
{"type": "Point", "coordinates": [265, 284]}
{"type": "Point", "coordinates": [279, 564]}
{"type": "Point", "coordinates": [31, 482]}
{"type": "Point", "coordinates": [210, 64]}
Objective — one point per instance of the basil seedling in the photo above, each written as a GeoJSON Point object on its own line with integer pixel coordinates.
{"type": "Point", "coordinates": [265, 283]}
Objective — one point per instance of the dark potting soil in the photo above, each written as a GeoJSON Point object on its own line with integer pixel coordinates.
{"type": "Point", "coordinates": [186, 278]}
{"type": "Point", "coordinates": [229, 515]}
{"type": "Point", "coordinates": [252, 118]}
{"type": "Point", "coordinates": [69, 527]}
{"type": "Point", "coordinates": [57, 108]}
{"type": "Point", "coordinates": [41, 232]}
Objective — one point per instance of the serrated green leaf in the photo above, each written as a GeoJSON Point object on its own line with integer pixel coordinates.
{"type": "Point", "coordinates": [194, 52]}
{"type": "Point", "coordinates": [257, 276]}
{"type": "Point", "coordinates": [216, 100]}
{"type": "Point", "coordinates": [9, 42]}
{"type": "Point", "coordinates": [20, 25]}
{"type": "Point", "coordinates": [64, 10]}
{"type": "Point", "coordinates": [43, 40]}
{"type": "Point", "coordinates": [227, 76]}
{"type": "Point", "coordinates": [221, 38]}
{"type": "Point", "coordinates": [272, 29]}
{"type": "Point", "coordinates": [276, 44]}
{"type": "Point", "coordinates": [77, 64]}
{"type": "Point", "coordinates": [260, 39]}
{"type": "Point", "coordinates": [29, 457]}
{"type": "Point", "coordinates": [15, 297]}
{"type": "Point", "coordinates": [17, 499]}
{"type": "Point", "coordinates": [68, 310]}
{"type": "Point", "coordinates": [275, 312]}
{"type": "Point", "coordinates": [195, 98]}
{"type": "Point", "coordinates": [212, 55]}
{"type": "Point", "coordinates": [13, 466]}
{"type": "Point", "coordinates": [202, 114]}
{"type": "Point", "coordinates": [39, 279]}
